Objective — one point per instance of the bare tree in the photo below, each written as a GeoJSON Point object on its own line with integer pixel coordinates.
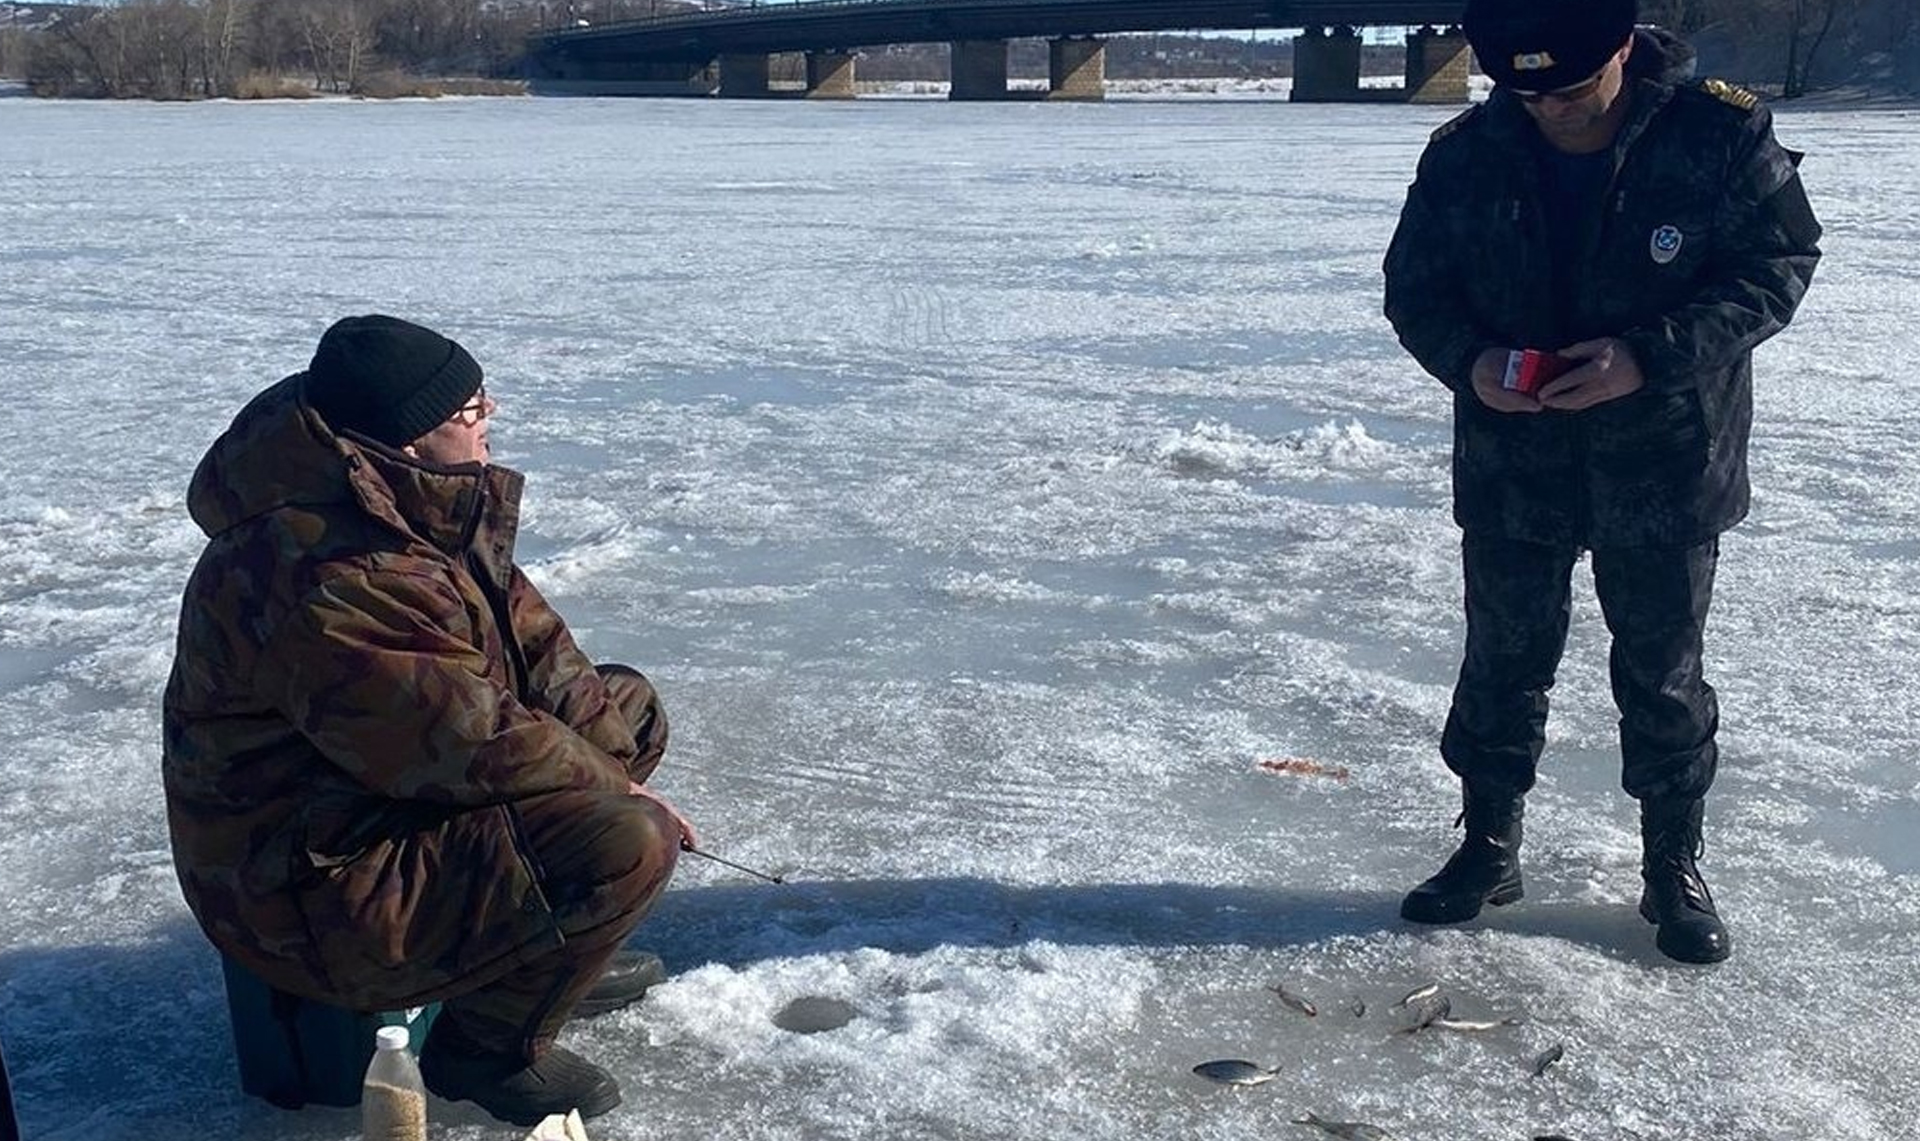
{"type": "Point", "coordinates": [222, 30]}
{"type": "Point", "coordinates": [81, 51]}
{"type": "Point", "coordinates": [439, 35]}
{"type": "Point", "coordinates": [163, 47]}
{"type": "Point", "coordinates": [339, 40]}
{"type": "Point", "coordinates": [274, 37]}
{"type": "Point", "coordinates": [14, 49]}
{"type": "Point", "coordinates": [1784, 39]}
{"type": "Point", "coordinates": [1810, 21]}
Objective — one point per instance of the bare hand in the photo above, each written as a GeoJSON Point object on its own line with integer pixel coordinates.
{"type": "Point", "coordinates": [1607, 371]}
{"type": "Point", "coordinates": [1488, 371]}
{"type": "Point", "coordinates": [688, 837]}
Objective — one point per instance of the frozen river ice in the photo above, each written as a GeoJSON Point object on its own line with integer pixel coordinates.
{"type": "Point", "coordinates": [989, 488]}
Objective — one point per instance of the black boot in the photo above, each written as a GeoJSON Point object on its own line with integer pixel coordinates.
{"type": "Point", "coordinates": [508, 1087]}
{"type": "Point", "coordinates": [1676, 897]}
{"type": "Point", "coordinates": [1486, 869]}
{"type": "Point", "coordinates": [625, 982]}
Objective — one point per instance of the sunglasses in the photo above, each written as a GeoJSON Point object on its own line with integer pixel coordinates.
{"type": "Point", "coordinates": [476, 410]}
{"type": "Point", "coordinates": [1572, 94]}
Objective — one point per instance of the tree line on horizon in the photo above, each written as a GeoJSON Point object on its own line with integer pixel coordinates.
{"type": "Point", "coordinates": [195, 49]}
{"type": "Point", "coordinates": [191, 49]}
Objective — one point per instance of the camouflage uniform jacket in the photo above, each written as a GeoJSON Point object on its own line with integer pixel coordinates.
{"type": "Point", "coordinates": [358, 658]}
{"type": "Point", "coordinates": [1701, 250]}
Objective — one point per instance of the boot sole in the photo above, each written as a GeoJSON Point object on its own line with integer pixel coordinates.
{"type": "Point", "coordinates": [597, 1102]}
{"type": "Point", "coordinates": [1500, 896]}
{"type": "Point", "coordinates": [522, 1097]}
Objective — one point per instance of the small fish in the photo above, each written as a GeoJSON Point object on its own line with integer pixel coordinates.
{"type": "Point", "coordinates": [1301, 766]}
{"type": "Point", "coordinates": [1298, 1002]}
{"type": "Point", "coordinates": [1472, 1024]}
{"type": "Point", "coordinates": [1418, 993]}
{"type": "Point", "coordinates": [1234, 1072]}
{"type": "Point", "coordinates": [1350, 1130]}
{"type": "Point", "coordinates": [1429, 1014]}
{"type": "Point", "coordinates": [1358, 1006]}
{"type": "Point", "coordinates": [1548, 1057]}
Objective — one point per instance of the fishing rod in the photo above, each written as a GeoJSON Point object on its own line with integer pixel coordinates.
{"type": "Point", "coordinates": [729, 863]}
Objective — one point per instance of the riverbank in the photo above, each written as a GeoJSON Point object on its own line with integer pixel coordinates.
{"type": "Point", "coordinates": [261, 87]}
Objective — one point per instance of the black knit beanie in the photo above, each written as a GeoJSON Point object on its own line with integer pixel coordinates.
{"type": "Point", "coordinates": [388, 379]}
{"type": "Point", "coordinates": [1544, 45]}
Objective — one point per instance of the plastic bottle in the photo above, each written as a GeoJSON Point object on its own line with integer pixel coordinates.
{"type": "Point", "coordinates": [393, 1100]}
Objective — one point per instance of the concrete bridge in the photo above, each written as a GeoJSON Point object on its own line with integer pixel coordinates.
{"type": "Point", "coordinates": [725, 51]}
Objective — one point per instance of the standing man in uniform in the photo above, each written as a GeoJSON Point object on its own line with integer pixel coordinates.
{"type": "Point", "coordinates": [392, 778]}
{"type": "Point", "coordinates": [1649, 231]}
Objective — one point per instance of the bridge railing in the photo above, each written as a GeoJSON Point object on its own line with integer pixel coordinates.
{"type": "Point", "coordinates": [1312, 12]}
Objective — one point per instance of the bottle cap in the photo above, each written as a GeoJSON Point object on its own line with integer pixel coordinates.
{"type": "Point", "coordinates": [392, 1038]}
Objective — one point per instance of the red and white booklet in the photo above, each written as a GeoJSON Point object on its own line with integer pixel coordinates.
{"type": "Point", "coordinates": [1528, 369]}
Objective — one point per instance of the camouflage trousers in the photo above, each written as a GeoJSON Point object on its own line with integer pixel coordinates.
{"type": "Point", "coordinates": [599, 860]}
{"type": "Point", "coordinates": [1518, 604]}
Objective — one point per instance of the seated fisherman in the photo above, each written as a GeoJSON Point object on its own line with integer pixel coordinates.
{"type": "Point", "coordinates": [392, 778]}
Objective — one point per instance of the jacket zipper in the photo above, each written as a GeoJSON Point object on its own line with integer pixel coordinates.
{"type": "Point", "coordinates": [1592, 242]}
{"type": "Point", "coordinates": [496, 601]}
{"type": "Point", "coordinates": [1575, 434]}
{"type": "Point", "coordinates": [516, 656]}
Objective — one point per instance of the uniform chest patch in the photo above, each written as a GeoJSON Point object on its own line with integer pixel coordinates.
{"type": "Point", "coordinates": [1665, 244]}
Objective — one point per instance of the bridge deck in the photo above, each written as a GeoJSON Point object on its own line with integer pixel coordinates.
{"type": "Point", "coordinates": [827, 25]}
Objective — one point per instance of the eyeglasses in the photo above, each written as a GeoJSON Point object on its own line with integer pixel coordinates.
{"type": "Point", "coordinates": [1572, 94]}
{"type": "Point", "coordinates": [481, 407]}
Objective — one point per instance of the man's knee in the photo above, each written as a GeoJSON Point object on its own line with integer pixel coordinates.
{"type": "Point", "coordinates": [601, 853]}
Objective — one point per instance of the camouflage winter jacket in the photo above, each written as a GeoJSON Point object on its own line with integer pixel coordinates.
{"type": "Point", "coordinates": [358, 653]}
{"type": "Point", "coordinates": [1702, 249]}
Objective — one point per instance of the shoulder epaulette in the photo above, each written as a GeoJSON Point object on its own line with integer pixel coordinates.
{"type": "Point", "coordinates": [1730, 94]}
{"type": "Point", "coordinates": [1453, 124]}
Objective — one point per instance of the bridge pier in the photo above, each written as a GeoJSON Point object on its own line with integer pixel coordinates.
{"type": "Point", "coordinates": [830, 75]}
{"type": "Point", "coordinates": [746, 76]}
{"type": "Point", "coordinates": [979, 69]}
{"type": "Point", "coordinates": [1326, 66]}
{"type": "Point", "coordinates": [1437, 66]}
{"type": "Point", "coordinates": [1077, 68]}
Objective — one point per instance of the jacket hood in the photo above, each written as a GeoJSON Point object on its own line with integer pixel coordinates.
{"type": "Point", "coordinates": [276, 453]}
{"type": "Point", "coordinates": [279, 453]}
{"type": "Point", "coordinates": [1661, 56]}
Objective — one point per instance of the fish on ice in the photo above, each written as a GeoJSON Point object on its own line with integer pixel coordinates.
{"type": "Point", "coordinates": [1297, 1002]}
{"type": "Point", "coordinates": [1417, 994]}
{"type": "Point", "coordinates": [1347, 1130]}
{"type": "Point", "coordinates": [1302, 766]}
{"type": "Point", "coordinates": [1235, 1072]}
